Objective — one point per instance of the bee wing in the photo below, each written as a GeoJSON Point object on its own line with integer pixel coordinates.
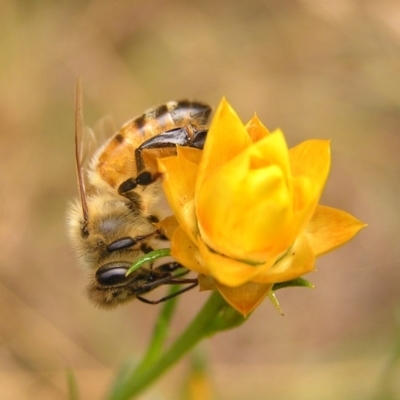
{"type": "Point", "coordinates": [79, 153]}
{"type": "Point", "coordinates": [104, 129]}
{"type": "Point", "coordinates": [87, 146]}
{"type": "Point", "coordinates": [90, 139]}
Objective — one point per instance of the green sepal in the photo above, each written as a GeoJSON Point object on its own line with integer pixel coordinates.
{"type": "Point", "coordinates": [148, 258]}
{"type": "Point", "coordinates": [293, 283]}
{"type": "Point", "coordinates": [300, 282]}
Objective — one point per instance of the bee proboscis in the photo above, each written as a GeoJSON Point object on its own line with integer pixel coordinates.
{"type": "Point", "coordinates": [113, 222]}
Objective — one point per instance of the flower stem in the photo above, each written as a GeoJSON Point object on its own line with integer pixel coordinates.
{"type": "Point", "coordinates": [160, 332]}
{"type": "Point", "coordinates": [216, 315]}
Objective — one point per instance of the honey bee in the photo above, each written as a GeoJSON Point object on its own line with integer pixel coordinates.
{"type": "Point", "coordinates": [113, 222]}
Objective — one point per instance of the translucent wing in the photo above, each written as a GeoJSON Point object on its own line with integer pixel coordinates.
{"type": "Point", "coordinates": [102, 130]}
{"type": "Point", "coordinates": [79, 156]}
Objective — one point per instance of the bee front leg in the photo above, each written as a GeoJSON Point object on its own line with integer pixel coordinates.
{"type": "Point", "coordinates": [143, 179]}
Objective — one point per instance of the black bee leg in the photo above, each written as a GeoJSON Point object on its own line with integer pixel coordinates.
{"type": "Point", "coordinates": [185, 136]}
{"type": "Point", "coordinates": [172, 266]}
{"type": "Point", "coordinates": [172, 138]}
{"type": "Point", "coordinates": [199, 138]}
{"type": "Point", "coordinates": [193, 283]}
{"type": "Point", "coordinates": [127, 186]}
{"type": "Point", "coordinates": [165, 277]}
{"type": "Point", "coordinates": [143, 179]}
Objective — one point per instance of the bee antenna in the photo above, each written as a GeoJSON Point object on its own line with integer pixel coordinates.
{"type": "Point", "coordinates": [78, 155]}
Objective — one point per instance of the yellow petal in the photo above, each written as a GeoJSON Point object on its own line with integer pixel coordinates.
{"type": "Point", "coordinates": [244, 298]}
{"type": "Point", "coordinates": [256, 129]}
{"type": "Point", "coordinates": [179, 176]}
{"type": "Point", "coordinates": [228, 271]}
{"type": "Point", "coordinates": [330, 228]}
{"type": "Point", "coordinates": [186, 253]}
{"type": "Point", "coordinates": [190, 154]}
{"type": "Point", "coordinates": [310, 163]}
{"type": "Point", "coordinates": [298, 261]}
{"type": "Point", "coordinates": [251, 228]}
{"type": "Point", "coordinates": [306, 195]}
{"type": "Point", "coordinates": [312, 159]}
{"type": "Point", "coordinates": [270, 150]}
{"type": "Point", "coordinates": [226, 138]}
{"type": "Point", "coordinates": [245, 210]}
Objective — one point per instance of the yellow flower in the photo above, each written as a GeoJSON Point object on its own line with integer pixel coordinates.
{"type": "Point", "coordinates": [247, 208]}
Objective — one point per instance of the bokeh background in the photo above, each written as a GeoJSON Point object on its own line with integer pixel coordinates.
{"type": "Point", "coordinates": [315, 68]}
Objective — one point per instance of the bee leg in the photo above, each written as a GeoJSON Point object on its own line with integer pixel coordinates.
{"type": "Point", "coordinates": [127, 186]}
{"type": "Point", "coordinates": [162, 276]}
{"type": "Point", "coordinates": [143, 179]}
{"type": "Point", "coordinates": [171, 138]}
{"type": "Point", "coordinates": [193, 284]}
{"type": "Point", "coordinates": [144, 248]}
{"type": "Point", "coordinates": [185, 136]}
{"type": "Point", "coordinates": [172, 266]}
{"type": "Point", "coordinates": [136, 201]}
{"type": "Point", "coordinates": [199, 138]}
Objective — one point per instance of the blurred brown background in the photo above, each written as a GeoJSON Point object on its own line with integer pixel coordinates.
{"type": "Point", "coordinates": [315, 68]}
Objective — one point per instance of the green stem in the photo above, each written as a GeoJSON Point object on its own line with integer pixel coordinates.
{"type": "Point", "coordinates": [156, 344]}
{"type": "Point", "coordinates": [216, 315]}
{"type": "Point", "coordinates": [160, 331]}
{"type": "Point", "coordinates": [73, 392]}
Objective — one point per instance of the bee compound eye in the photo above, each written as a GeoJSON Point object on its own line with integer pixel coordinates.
{"type": "Point", "coordinates": [111, 276]}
